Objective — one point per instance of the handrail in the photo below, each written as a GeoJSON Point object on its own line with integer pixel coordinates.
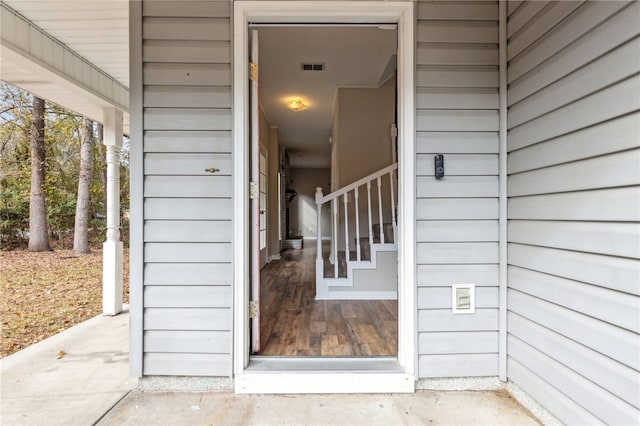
{"type": "Point", "coordinates": [334, 199]}
{"type": "Point", "coordinates": [357, 183]}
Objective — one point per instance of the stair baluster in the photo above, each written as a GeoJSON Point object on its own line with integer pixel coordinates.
{"type": "Point", "coordinates": [380, 210]}
{"type": "Point", "coordinates": [357, 216]}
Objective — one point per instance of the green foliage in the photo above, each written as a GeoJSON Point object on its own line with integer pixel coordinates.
{"type": "Point", "coordinates": [62, 140]}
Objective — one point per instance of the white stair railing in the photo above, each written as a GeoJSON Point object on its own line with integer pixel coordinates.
{"type": "Point", "coordinates": [333, 198]}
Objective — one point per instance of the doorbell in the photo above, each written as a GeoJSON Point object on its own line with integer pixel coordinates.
{"type": "Point", "coordinates": [438, 161]}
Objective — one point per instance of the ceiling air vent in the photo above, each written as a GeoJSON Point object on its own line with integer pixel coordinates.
{"type": "Point", "coordinates": [311, 67]}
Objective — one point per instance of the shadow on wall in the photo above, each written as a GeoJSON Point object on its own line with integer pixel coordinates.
{"type": "Point", "coordinates": [303, 207]}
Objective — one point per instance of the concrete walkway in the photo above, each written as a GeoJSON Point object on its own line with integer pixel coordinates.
{"type": "Point", "coordinates": [77, 389]}
{"type": "Point", "coordinates": [90, 385]}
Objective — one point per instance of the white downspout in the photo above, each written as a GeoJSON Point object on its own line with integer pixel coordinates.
{"type": "Point", "coordinates": [112, 247]}
{"type": "Point", "coordinates": [502, 42]}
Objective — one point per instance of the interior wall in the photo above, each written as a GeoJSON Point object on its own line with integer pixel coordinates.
{"type": "Point", "coordinates": [574, 208]}
{"type": "Point", "coordinates": [273, 218]}
{"type": "Point", "coordinates": [303, 219]}
{"type": "Point", "coordinates": [363, 130]}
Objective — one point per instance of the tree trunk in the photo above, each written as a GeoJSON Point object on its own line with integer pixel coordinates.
{"type": "Point", "coordinates": [38, 229]}
{"type": "Point", "coordinates": [103, 166]}
{"type": "Point", "coordinates": [81, 231]}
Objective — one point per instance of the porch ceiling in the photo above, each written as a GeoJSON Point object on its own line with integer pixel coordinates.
{"type": "Point", "coordinates": [74, 53]}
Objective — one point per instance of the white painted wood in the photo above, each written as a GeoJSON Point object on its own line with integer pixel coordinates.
{"type": "Point", "coordinates": [437, 320]}
{"type": "Point", "coordinates": [187, 51]}
{"type": "Point", "coordinates": [457, 187]}
{"type": "Point", "coordinates": [608, 306]}
{"type": "Point", "coordinates": [601, 403]}
{"type": "Point", "coordinates": [187, 209]}
{"type": "Point", "coordinates": [461, 342]}
{"type": "Point", "coordinates": [191, 141]}
{"type": "Point", "coordinates": [457, 253]}
{"type": "Point", "coordinates": [205, 342]}
{"type": "Point", "coordinates": [456, 54]}
{"type": "Point", "coordinates": [457, 230]}
{"type": "Point", "coordinates": [616, 343]}
{"type": "Point", "coordinates": [185, 8]}
{"type": "Point", "coordinates": [191, 28]}
{"type": "Point", "coordinates": [197, 231]}
{"type": "Point", "coordinates": [187, 164]}
{"type": "Point", "coordinates": [545, 20]}
{"type": "Point", "coordinates": [620, 134]}
{"type": "Point", "coordinates": [597, 42]}
{"type": "Point", "coordinates": [581, 23]}
{"type": "Point", "coordinates": [186, 364]}
{"type": "Point", "coordinates": [457, 11]}
{"type": "Point", "coordinates": [457, 32]}
{"type": "Point", "coordinates": [605, 271]}
{"type": "Point", "coordinates": [187, 252]}
{"type": "Point", "coordinates": [440, 297]}
{"type": "Point", "coordinates": [458, 365]}
{"type": "Point", "coordinates": [457, 98]}
{"type": "Point", "coordinates": [622, 169]}
{"type": "Point", "coordinates": [601, 106]}
{"type": "Point", "coordinates": [457, 142]}
{"type": "Point", "coordinates": [218, 319]}
{"type": "Point", "coordinates": [460, 165]}
{"type": "Point", "coordinates": [457, 120]}
{"type": "Point", "coordinates": [614, 239]}
{"type": "Point", "coordinates": [176, 274]}
{"type": "Point", "coordinates": [587, 80]}
{"type": "Point", "coordinates": [457, 208]}
{"type": "Point", "coordinates": [554, 400]}
{"type": "Point", "coordinates": [454, 76]}
{"type": "Point", "coordinates": [188, 186]}
{"type": "Point", "coordinates": [187, 119]}
{"type": "Point", "coordinates": [483, 275]}
{"type": "Point", "coordinates": [610, 375]}
{"type": "Point", "coordinates": [619, 204]}
{"type": "Point", "coordinates": [188, 74]}
{"type": "Point", "coordinates": [523, 14]}
{"type": "Point", "coordinates": [183, 296]}
{"type": "Point", "coordinates": [187, 96]}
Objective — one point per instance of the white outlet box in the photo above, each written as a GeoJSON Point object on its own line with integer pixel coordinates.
{"type": "Point", "coordinates": [463, 298]}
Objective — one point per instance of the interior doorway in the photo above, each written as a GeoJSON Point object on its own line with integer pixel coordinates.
{"type": "Point", "coordinates": [395, 375]}
{"type": "Point", "coordinates": [330, 93]}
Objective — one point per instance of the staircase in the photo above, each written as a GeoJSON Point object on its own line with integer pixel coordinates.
{"type": "Point", "coordinates": [370, 226]}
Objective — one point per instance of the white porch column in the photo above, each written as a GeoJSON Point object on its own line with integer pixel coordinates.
{"type": "Point", "coordinates": [112, 247]}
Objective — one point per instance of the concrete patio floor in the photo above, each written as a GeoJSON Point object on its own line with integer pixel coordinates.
{"type": "Point", "coordinates": [90, 385]}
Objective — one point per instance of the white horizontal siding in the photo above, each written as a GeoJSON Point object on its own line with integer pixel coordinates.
{"type": "Point", "coordinates": [574, 209]}
{"type": "Point", "coordinates": [175, 274]}
{"type": "Point", "coordinates": [457, 226]}
{"type": "Point", "coordinates": [187, 210]}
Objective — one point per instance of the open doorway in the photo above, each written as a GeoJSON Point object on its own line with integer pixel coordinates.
{"type": "Point", "coordinates": [328, 96]}
{"type": "Point", "coordinates": [294, 375]}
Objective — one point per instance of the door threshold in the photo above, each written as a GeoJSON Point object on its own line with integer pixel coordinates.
{"type": "Point", "coordinates": [294, 375]}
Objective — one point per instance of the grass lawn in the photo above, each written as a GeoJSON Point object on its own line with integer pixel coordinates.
{"type": "Point", "coordinates": [44, 293]}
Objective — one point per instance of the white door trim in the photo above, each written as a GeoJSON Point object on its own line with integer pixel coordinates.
{"type": "Point", "coordinates": [402, 13]}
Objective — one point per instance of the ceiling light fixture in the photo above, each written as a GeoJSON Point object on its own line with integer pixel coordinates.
{"type": "Point", "coordinates": [297, 105]}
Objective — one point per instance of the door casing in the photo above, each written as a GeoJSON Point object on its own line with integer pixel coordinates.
{"type": "Point", "coordinates": [329, 12]}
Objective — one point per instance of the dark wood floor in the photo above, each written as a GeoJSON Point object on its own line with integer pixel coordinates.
{"type": "Point", "coordinates": [293, 323]}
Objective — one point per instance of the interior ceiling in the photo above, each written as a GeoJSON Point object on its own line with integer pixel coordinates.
{"type": "Point", "coordinates": [354, 56]}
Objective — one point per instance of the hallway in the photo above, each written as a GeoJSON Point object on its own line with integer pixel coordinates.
{"type": "Point", "coordinates": [293, 323]}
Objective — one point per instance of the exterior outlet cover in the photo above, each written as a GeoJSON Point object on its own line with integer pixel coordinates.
{"type": "Point", "coordinates": [463, 298]}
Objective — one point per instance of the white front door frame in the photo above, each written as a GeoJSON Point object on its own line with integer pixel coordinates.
{"type": "Point", "coordinates": [346, 12]}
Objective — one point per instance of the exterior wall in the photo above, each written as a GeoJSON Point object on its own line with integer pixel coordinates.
{"type": "Point", "coordinates": [186, 54]}
{"type": "Point", "coordinates": [457, 217]}
{"type": "Point", "coordinates": [574, 208]}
